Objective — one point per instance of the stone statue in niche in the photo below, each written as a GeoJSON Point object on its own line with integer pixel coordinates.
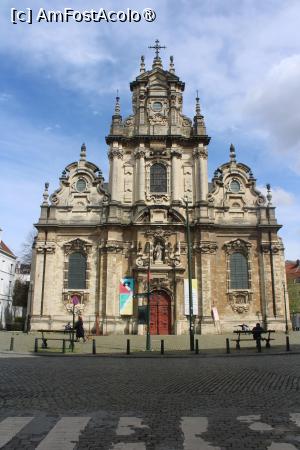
{"type": "Point", "coordinates": [158, 252]}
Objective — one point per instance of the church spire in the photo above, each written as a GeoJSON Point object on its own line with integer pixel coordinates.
{"type": "Point", "coordinates": [172, 67]}
{"type": "Point", "coordinates": [232, 153]}
{"type": "Point", "coordinates": [116, 122]}
{"type": "Point", "coordinates": [199, 124]}
{"type": "Point", "coordinates": [83, 152]}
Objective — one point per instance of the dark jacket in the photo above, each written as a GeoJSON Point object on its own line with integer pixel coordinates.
{"type": "Point", "coordinates": [79, 329]}
{"type": "Point", "coordinates": [256, 331]}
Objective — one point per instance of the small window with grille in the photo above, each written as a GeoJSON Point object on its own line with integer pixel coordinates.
{"type": "Point", "coordinates": [158, 178]}
{"type": "Point", "coordinates": [81, 185]}
{"type": "Point", "coordinates": [77, 271]}
{"type": "Point", "coordinates": [235, 186]}
{"type": "Point", "coordinates": [239, 278]}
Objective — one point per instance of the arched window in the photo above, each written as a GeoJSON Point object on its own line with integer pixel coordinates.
{"type": "Point", "coordinates": [158, 178]}
{"type": "Point", "coordinates": [238, 271]}
{"type": "Point", "coordinates": [77, 271]}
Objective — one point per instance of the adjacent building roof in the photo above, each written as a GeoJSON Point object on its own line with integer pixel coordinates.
{"type": "Point", "coordinates": [292, 269]}
{"type": "Point", "coordinates": [6, 250]}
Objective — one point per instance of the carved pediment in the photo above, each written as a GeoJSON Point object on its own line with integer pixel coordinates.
{"type": "Point", "coordinates": [77, 245]}
{"type": "Point", "coordinates": [237, 245]}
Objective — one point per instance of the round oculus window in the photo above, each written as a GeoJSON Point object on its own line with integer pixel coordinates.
{"type": "Point", "coordinates": [157, 106]}
{"type": "Point", "coordinates": [81, 185]}
{"type": "Point", "coordinates": [235, 186]}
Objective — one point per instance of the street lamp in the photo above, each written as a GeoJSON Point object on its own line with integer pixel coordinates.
{"type": "Point", "coordinates": [189, 255]}
{"type": "Point", "coordinates": [285, 311]}
{"type": "Point", "coordinates": [148, 337]}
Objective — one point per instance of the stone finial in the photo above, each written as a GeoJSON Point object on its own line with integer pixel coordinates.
{"type": "Point", "coordinates": [83, 152]}
{"type": "Point", "coordinates": [232, 153]}
{"type": "Point", "coordinates": [269, 194]}
{"type": "Point", "coordinates": [172, 67]}
{"type": "Point", "coordinates": [157, 63]}
{"type": "Point", "coordinates": [64, 174]}
{"type": "Point", "coordinates": [117, 105]}
{"type": "Point", "coordinates": [46, 194]}
{"type": "Point", "coordinates": [251, 176]}
{"type": "Point", "coordinates": [198, 109]}
{"type": "Point", "coordinates": [142, 65]}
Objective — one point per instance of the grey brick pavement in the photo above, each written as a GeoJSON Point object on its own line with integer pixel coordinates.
{"type": "Point", "coordinates": [234, 403]}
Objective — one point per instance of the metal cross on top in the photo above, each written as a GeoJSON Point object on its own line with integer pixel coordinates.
{"type": "Point", "coordinates": [157, 47]}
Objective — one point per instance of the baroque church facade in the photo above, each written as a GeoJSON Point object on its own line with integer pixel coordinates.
{"type": "Point", "coordinates": [97, 239]}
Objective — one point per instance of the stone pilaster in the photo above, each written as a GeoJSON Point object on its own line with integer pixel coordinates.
{"type": "Point", "coordinates": [205, 267]}
{"type": "Point", "coordinates": [176, 176]}
{"type": "Point", "coordinates": [140, 178]}
{"type": "Point", "coordinates": [203, 174]}
{"type": "Point", "coordinates": [115, 155]}
{"type": "Point", "coordinates": [113, 275]}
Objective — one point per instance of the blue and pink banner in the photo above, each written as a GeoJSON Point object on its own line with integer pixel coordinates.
{"type": "Point", "coordinates": [126, 296]}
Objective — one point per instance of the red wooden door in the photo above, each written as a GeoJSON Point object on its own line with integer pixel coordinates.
{"type": "Point", "coordinates": [160, 313]}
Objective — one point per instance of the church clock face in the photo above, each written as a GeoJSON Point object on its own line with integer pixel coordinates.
{"type": "Point", "coordinates": [156, 106]}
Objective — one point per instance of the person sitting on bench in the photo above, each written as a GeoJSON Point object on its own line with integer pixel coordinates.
{"type": "Point", "coordinates": [256, 331]}
{"type": "Point", "coordinates": [244, 327]}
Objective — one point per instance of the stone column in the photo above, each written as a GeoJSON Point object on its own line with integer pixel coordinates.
{"type": "Point", "coordinates": [176, 176]}
{"type": "Point", "coordinates": [115, 155]}
{"type": "Point", "coordinates": [140, 178]}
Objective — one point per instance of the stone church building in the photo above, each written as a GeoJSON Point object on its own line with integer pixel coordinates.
{"type": "Point", "coordinates": [99, 244]}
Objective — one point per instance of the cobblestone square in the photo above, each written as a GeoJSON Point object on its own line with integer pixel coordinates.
{"type": "Point", "coordinates": [213, 402]}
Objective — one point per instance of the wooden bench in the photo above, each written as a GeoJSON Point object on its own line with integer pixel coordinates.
{"type": "Point", "coordinates": [258, 341]}
{"type": "Point", "coordinates": [46, 339]}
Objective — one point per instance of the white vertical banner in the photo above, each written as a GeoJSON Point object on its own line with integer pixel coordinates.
{"type": "Point", "coordinates": [194, 297]}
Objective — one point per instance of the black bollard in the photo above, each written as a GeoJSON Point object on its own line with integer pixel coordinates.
{"type": "Point", "coordinates": [258, 345]}
{"type": "Point", "coordinates": [162, 347]}
{"type": "Point", "coordinates": [287, 343]}
{"type": "Point", "coordinates": [94, 346]}
{"type": "Point", "coordinates": [64, 346]}
{"type": "Point", "coordinates": [197, 347]}
{"type": "Point", "coordinates": [12, 341]}
{"type": "Point", "coordinates": [128, 347]}
{"type": "Point", "coordinates": [227, 346]}
{"type": "Point", "coordinates": [36, 345]}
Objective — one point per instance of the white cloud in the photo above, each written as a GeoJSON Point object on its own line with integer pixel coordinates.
{"type": "Point", "coordinates": [275, 106]}
{"type": "Point", "coordinates": [280, 197]}
{"type": "Point", "coordinates": [287, 213]}
{"type": "Point", "coordinates": [5, 97]}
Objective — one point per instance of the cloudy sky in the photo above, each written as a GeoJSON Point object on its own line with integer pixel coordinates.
{"type": "Point", "coordinates": [58, 82]}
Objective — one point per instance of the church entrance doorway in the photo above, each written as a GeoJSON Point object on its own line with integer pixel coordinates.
{"type": "Point", "coordinates": [160, 313]}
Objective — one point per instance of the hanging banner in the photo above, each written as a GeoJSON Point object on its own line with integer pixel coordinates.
{"type": "Point", "coordinates": [126, 296]}
{"type": "Point", "coordinates": [194, 297]}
